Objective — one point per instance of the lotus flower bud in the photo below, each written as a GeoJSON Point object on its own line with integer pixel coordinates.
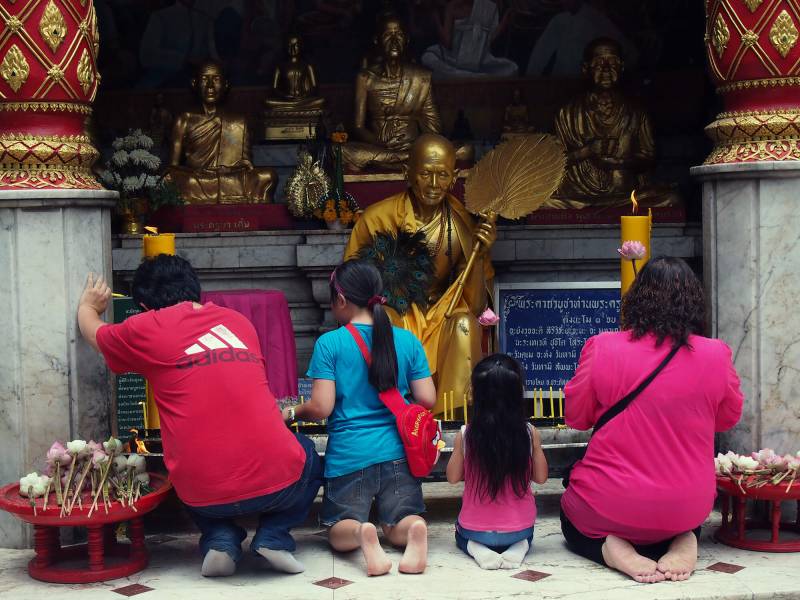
{"type": "Point", "coordinates": [30, 480]}
{"type": "Point", "coordinates": [57, 454]}
{"type": "Point", "coordinates": [143, 478]}
{"type": "Point", "coordinates": [137, 463]}
{"type": "Point", "coordinates": [488, 318]}
{"type": "Point", "coordinates": [99, 458]}
{"type": "Point", "coordinates": [632, 250]}
{"type": "Point", "coordinates": [113, 446]}
{"type": "Point", "coordinates": [120, 464]}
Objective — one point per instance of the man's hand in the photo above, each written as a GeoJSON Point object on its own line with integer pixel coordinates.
{"type": "Point", "coordinates": [96, 294]}
{"type": "Point", "coordinates": [486, 233]}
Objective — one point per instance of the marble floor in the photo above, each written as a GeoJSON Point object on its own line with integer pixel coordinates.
{"type": "Point", "coordinates": [550, 570]}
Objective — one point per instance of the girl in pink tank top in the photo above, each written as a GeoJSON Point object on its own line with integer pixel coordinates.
{"type": "Point", "coordinates": [497, 457]}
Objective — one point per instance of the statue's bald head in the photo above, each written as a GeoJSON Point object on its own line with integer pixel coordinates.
{"type": "Point", "coordinates": [431, 168]}
{"type": "Point", "coordinates": [210, 82]}
{"type": "Point", "coordinates": [430, 146]}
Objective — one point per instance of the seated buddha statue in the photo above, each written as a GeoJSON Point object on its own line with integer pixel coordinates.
{"type": "Point", "coordinates": [210, 150]}
{"type": "Point", "coordinates": [393, 105]}
{"type": "Point", "coordinates": [515, 117]}
{"type": "Point", "coordinates": [608, 140]}
{"type": "Point", "coordinates": [293, 109]}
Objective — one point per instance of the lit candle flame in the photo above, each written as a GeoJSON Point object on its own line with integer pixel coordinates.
{"type": "Point", "coordinates": [635, 207]}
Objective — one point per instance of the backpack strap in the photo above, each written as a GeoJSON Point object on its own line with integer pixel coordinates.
{"type": "Point", "coordinates": [391, 398]}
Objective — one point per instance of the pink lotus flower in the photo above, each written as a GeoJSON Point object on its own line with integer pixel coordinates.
{"type": "Point", "coordinates": [57, 454]}
{"type": "Point", "coordinates": [488, 318]}
{"type": "Point", "coordinates": [632, 250]}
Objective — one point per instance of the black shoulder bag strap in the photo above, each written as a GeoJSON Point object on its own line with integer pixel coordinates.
{"type": "Point", "coordinates": [622, 405]}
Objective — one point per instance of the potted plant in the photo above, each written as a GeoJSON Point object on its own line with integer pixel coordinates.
{"type": "Point", "coordinates": [133, 171]}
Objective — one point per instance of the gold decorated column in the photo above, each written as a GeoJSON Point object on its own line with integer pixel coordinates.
{"type": "Point", "coordinates": [48, 81]}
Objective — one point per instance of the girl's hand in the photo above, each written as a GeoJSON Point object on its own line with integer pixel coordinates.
{"type": "Point", "coordinates": [539, 459]}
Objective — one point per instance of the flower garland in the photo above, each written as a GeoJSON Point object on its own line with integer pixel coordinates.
{"type": "Point", "coordinates": [132, 169]}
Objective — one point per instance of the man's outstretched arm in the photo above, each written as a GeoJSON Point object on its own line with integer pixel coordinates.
{"type": "Point", "coordinates": [92, 304]}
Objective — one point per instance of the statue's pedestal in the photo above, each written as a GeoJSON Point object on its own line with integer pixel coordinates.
{"type": "Point", "coordinates": [203, 218]}
{"type": "Point", "coordinates": [751, 253]}
{"type": "Point", "coordinates": [53, 386]}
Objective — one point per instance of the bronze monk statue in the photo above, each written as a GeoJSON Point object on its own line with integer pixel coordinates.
{"type": "Point", "coordinates": [210, 150]}
{"type": "Point", "coordinates": [452, 345]}
{"type": "Point", "coordinates": [393, 105]}
{"type": "Point", "coordinates": [609, 140]}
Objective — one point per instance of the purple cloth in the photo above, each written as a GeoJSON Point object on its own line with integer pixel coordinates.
{"type": "Point", "coordinates": [268, 311]}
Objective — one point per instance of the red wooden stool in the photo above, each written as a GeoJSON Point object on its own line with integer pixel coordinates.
{"type": "Point", "coordinates": [735, 523]}
{"type": "Point", "coordinates": [107, 559]}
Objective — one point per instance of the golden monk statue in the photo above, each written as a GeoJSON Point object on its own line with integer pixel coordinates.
{"type": "Point", "coordinates": [452, 345]}
{"type": "Point", "coordinates": [393, 105]}
{"type": "Point", "coordinates": [210, 153]}
{"type": "Point", "coordinates": [293, 110]}
{"type": "Point", "coordinates": [609, 140]}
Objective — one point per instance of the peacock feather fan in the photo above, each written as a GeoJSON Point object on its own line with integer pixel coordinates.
{"type": "Point", "coordinates": [406, 264]}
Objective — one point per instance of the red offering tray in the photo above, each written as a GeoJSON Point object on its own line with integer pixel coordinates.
{"type": "Point", "coordinates": [107, 559]}
{"type": "Point", "coordinates": [735, 523]}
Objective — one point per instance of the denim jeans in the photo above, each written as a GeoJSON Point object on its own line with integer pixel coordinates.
{"type": "Point", "coordinates": [279, 512]}
{"type": "Point", "coordinates": [498, 541]}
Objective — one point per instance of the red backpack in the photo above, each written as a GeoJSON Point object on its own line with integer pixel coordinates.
{"type": "Point", "coordinates": [419, 431]}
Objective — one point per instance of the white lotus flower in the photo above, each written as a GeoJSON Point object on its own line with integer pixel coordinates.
{"type": "Point", "coordinates": [113, 446]}
{"type": "Point", "coordinates": [745, 463]}
{"type": "Point", "coordinates": [120, 464]}
{"type": "Point", "coordinates": [723, 464]}
{"type": "Point", "coordinates": [137, 463]}
{"type": "Point", "coordinates": [77, 447]}
{"type": "Point", "coordinates": [143, 478]}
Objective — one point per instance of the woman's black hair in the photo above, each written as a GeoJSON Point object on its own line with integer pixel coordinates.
{"type": "Point", "coordinates": [165, 280]}
{"type": "Point", "coordinates": [359, 281]}
{"type": "Point", "coordinates": [667, 300]}
{"type": "Point", "coordinates": [498, 442]}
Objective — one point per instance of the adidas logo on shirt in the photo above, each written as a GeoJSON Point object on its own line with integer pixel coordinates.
{"type": "Point", "coordinates": [219, 345]}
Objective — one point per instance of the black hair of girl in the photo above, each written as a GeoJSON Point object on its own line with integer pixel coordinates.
{"type": "Point", "coordinates": [498, 441]}
{"type": "Point", "coordinates": [359, 281]}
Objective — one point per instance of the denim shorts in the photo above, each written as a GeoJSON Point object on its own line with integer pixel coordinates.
{"type": "Point", "coordinates": [398, 494]}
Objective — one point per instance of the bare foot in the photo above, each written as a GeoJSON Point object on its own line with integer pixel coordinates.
{"type": "Point", "coordinates": [415, 558]}
{"type": "Point", "coordinates": [620, 555]}
{"type": "Point", "coordinates": [377, 561]}
{"type": "Point", "coordinates": [679, 562]}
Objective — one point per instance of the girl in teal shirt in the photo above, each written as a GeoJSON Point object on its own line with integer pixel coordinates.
{"type": "Point", "coordinates": [364, 459]}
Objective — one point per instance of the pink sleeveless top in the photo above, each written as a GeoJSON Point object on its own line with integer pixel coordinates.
{"type": "Point", "coordinates": [508, 512]}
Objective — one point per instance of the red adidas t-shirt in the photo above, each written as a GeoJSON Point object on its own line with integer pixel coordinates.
{"type": "Point", "coordinates": [223, 436]}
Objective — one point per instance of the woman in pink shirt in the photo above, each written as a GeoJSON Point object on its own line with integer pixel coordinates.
{"type": "Point", "coordinates": [636, 501]}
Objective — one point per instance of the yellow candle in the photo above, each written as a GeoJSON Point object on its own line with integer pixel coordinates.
{"type": "Point", "coordinates": [159, 243]}
{"type": "Point", "coordinates": [552, 406]}
{"type": "Point", "coordinates": [465, 409]}
{"type": "Point", "coordinates": [634, 228]}
{"type": "Point", "coordinates": [153, 420]}
{"type": "Point", "coordinates": [452, 406]}
{"type": "Point", "coordinates": [561, 403]}
{"type": "Point", "coordinates": [540, 410]}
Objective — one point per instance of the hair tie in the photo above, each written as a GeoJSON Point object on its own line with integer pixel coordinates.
{"type": "Point", "coordinates": [376, 299]}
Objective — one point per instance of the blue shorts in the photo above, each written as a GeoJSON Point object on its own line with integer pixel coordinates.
{"type": "Point", "coordinates": [398, 494]}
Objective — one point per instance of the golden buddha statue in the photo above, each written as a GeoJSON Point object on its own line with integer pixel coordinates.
{"type": "Point", "coordinates": [393, 105]}
{"type": "Point", "coordinates": [452, 345]}
{"type": "Point", "coordinates": [293, 110]}
{"type": "Point", "coordinates": [515, 116]}
{"type": "Point", "coordinates": [609, 140]}
{"type": "Point", "coordinates": [210, 150]}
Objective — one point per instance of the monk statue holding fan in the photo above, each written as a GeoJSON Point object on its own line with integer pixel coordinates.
{"type": "Point", "coordinates": [434, 252]}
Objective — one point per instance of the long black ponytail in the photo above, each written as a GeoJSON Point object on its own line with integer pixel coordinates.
{"type": "Point", "coordinates": [359, 281]}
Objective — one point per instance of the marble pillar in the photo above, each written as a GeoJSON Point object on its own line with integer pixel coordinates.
{"type": "Point", "coordinates": [53, 386]}
{"type": "Point", "coordinates": [751, 236]}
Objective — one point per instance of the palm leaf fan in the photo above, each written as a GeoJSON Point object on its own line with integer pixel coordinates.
{"type": "Point", "coordinates": [406, 264]}
{"type": "Point", "coordinates": [516, 177]}
{"type": "Point", "coordinates": [512, 180]}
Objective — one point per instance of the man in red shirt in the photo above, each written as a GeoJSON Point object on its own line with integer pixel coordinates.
{"type": "Point", "coordinates": [226, 447]}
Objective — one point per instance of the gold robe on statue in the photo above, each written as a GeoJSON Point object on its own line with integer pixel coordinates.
{"type": "Point", "coordinates": [452, 346]}
{"type": "Point", "coordinates": [215, 165]}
